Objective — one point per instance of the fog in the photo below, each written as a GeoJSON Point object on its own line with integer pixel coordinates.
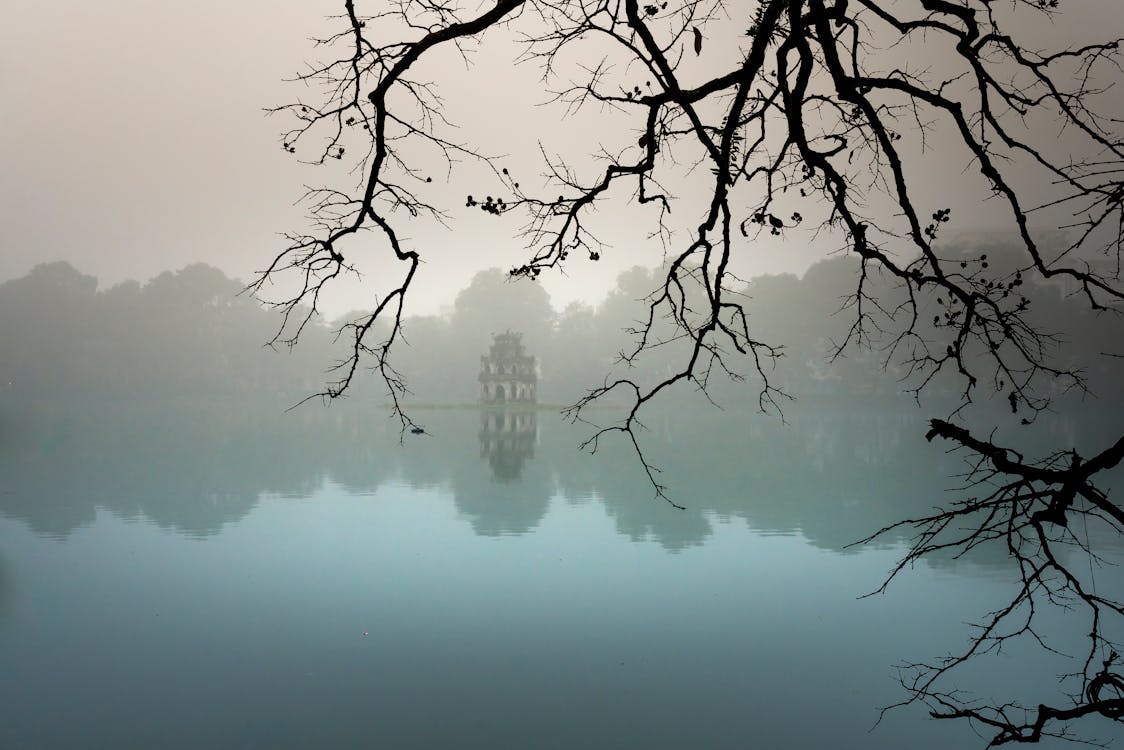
{"type": "Point", "coordinates": [134, 140]}
{"type": "Point", "coordinates": [166, 521]}
{"type": "Point", "coordinates": [198, 551]}
{"type": "Point", "coordinates": [195, 333]}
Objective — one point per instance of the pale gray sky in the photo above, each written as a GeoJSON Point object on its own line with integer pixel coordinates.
{"type": "Point", "coordinates": [132, 133]}
{"type": "Point", "coordinates": [133, 140]}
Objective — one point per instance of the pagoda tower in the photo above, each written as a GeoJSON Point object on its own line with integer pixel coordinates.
{"type": "Point", "coordinates": [508, 375]}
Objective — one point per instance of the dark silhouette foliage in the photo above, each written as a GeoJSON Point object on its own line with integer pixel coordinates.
{"type": "Point", "coordinates": [824, 120]}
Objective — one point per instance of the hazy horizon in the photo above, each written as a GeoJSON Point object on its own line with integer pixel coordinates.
{"type": "Point", "coordinates": [803, 313]}
{"type": "Point", "coordinates": [128, 153]}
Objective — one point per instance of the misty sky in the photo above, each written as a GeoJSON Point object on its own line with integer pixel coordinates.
{"type": "Point", "coordinates": [133, 140]}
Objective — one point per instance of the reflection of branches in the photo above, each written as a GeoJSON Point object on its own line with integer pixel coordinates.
{"type": "Point", "coordinates": [1031, 509]}
{"type": "Point", "coordinates": [821, 117]}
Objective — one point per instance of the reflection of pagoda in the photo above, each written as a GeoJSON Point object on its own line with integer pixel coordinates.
{"type": "Point", "coordinates": [507, 440]}
{"type": "Point", "coordinates": [507, 373]}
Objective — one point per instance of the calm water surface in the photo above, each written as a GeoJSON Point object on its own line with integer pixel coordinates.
{"type": "Point", "coordinates": [200, 577]}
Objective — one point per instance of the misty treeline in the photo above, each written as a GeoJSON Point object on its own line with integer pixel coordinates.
{"type": "Point", "coordinates": [184, 334]}
{"type": "Point", "coordinates": [193, 334]}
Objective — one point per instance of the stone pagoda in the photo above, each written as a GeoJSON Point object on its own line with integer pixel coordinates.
{"type": "Point", "coordinates": [508, 375]}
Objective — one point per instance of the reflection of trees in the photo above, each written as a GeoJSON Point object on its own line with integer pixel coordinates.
{"type": "Point", "coordinates": [192, 467]}
{"type": "Point", "coordinates": [828, 474]}
{"type": "Point", "coordinates": [502, 508]}
{"type": "Point", "coordinates": [195, 467]}
{"type": "Point", "coordinates": [6, 591]}
{"type": "Point", "coordinates": [506, 487]}
{"type": "Point", "coordinates": [621, 487]}
{"type": "Point", "coordinates": [507, 440]}
{"type": "Point", "coordinates": [832, 477]}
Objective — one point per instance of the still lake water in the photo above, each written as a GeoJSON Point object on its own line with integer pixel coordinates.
{"type": "Point", "coordinates": [205, 576]}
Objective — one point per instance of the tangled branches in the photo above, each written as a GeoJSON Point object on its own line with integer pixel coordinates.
{"type": "Point", "coordinates": [1038, 512]}
{"type": "Point", "coordinates": [819, 100]}
{"type": "Point", "coordinates": [826, 119]}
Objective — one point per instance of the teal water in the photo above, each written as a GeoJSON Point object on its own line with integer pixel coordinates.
{"type": "Point", "coordinates": [213, 577]}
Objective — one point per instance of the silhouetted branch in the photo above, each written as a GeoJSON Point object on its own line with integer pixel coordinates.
{"type": "Point", "coordinates": [1031, 509]}
{"type": "Point", "coordinates": [818, 120]}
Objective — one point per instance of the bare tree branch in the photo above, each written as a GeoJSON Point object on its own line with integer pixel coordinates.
{"type": "Point", "coordinates": [819, 121]}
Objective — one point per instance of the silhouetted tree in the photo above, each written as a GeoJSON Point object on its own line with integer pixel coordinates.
{"type": "Point", "coordinates": [820, 118]}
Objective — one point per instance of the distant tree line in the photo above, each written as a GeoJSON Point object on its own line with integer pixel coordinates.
{"type": "Point", "coordinates": [191, 334]}
{"type": "Point", "coordinates": [185, 334]}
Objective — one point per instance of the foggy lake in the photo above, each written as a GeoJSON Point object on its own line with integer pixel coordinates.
{"type": "Point", "coordinates": [213, 574]}
{"type": "Point", "coordinates": [623, 376]}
